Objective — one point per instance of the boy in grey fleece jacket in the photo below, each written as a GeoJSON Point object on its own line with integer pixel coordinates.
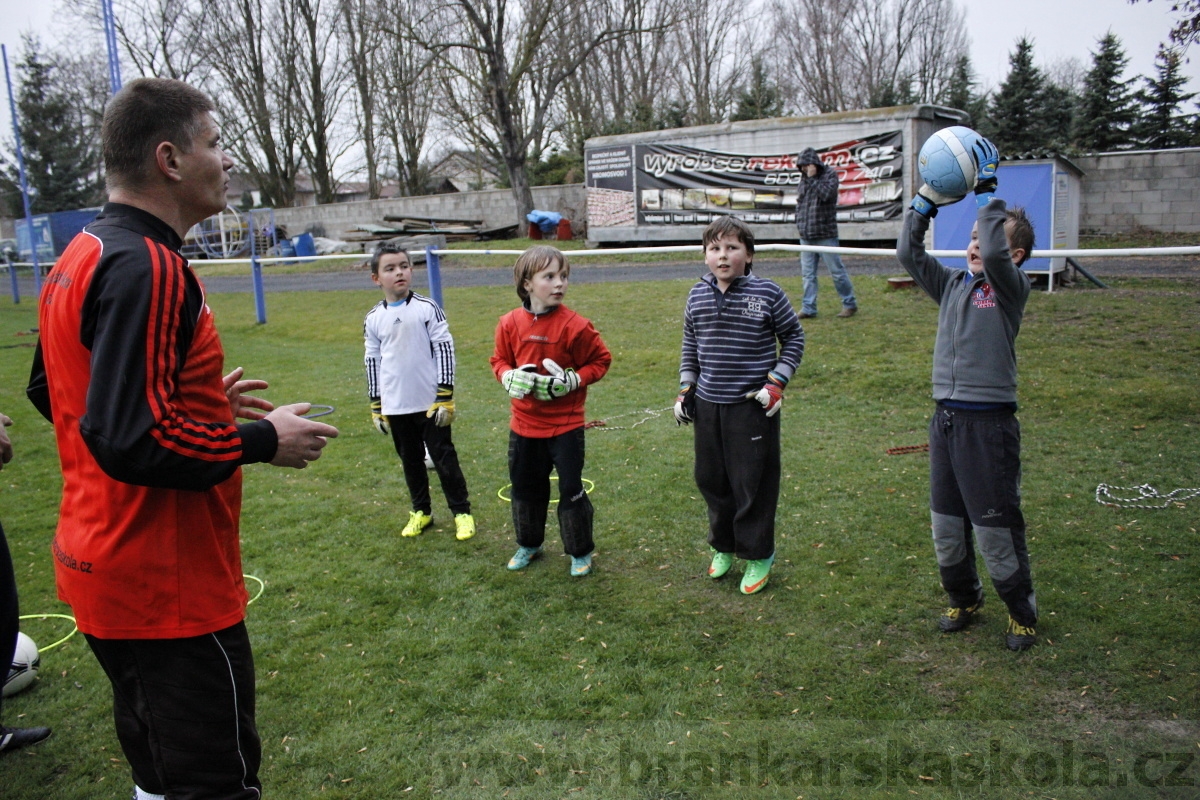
{"type": "Point", "coordinates": [974, 437]}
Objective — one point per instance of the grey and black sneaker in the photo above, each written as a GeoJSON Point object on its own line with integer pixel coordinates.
{"type": "Point", "coordinates": [955, 619]}
{"type": "Point", "coordinates": [12, 738]}
{"type": "Point", "coordinates": [1018, 636]}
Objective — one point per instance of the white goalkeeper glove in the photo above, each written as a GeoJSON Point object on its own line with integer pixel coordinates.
{"type": "Point", "coordinates": [685, 404]}
{"type": "Point", "coordinates": [562, 381]}
{"type": "Point", "coordinates": [771, 395]}
{"type": "Point", "coordinates": [520, 381]}
{"type": "Point", "coordinates": [927, 201]}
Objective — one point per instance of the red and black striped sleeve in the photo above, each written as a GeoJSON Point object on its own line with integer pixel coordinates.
{"type": "Point", "coordinates": [138, 320]}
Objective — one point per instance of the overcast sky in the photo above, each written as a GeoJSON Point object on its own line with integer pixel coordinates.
{"type": "Point", "coordinates": [1061, 29]}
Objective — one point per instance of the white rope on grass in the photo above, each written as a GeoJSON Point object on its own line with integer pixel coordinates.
{"type": "Point", "coordinates": [1144, 492]}
{"type": "Point", "coordinates": [647, 415]}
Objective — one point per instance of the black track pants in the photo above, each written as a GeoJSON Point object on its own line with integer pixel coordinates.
{"type": "Point", "coordinates": [737, 471]}
{"type": "Point", "coordinates": [529, 464]}
{"type": "Point", "coordinates": [975, 497]}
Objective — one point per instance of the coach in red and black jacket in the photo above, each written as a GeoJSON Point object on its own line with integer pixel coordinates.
{"type": "Point", "coordinates": [137, 366]}
{"type": "Point", "coordinates": [129, 369]}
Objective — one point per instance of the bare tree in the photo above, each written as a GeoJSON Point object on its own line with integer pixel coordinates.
{"type": "Point", "coordinates": [506, 64]}
{"type": "Point", "coordinates": [940, 42]}
{"type": "Point", "coordinates": [626, 84]}
{"type": "Point", "coordinates": [814, 45]}
{"type": "Point", "coordinates": [407, 89]}
{"type": "Point", "coordinates": [255, 85]}
{"type": "Point", "coordinates": [714, 57]}
{"type": "Point", "coordinates": [321, 80]}
{"type": "Point", "coordinates": [161, 37]}
{"type": "Point", "coordinates": [364, 38]}
{"type": "Point", "coordinates": [848, 54]}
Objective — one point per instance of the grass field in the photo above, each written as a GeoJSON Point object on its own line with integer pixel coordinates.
{"type": "Point", "coordinates": [392, 668]}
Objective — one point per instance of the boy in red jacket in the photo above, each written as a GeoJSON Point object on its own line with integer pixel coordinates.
{"type": "Point", "coordinates": [546, 356]}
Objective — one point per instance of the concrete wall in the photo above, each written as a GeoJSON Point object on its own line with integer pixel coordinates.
{"type": "Point", "coordinates": [495, 207]}
{"type": "Point", "coordinates": [1155, 189]}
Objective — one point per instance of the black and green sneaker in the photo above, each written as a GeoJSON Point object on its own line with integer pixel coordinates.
{"type": "Point", "coordinates": [1018, 636]}
{"type": "Point", "coordinates": [955, 618]}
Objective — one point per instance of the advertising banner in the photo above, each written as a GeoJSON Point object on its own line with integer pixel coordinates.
{"type": "Point", "coordinates": [667, 184]}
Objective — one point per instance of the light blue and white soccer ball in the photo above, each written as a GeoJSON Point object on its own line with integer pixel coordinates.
{"type": "Point", "coordinates": [946, 161]}
{"type": "Point", "coordinates": [25, 665]}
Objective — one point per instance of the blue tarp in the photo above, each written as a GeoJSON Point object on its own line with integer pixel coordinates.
{"type": "Point", "coordinates": [546, 220]}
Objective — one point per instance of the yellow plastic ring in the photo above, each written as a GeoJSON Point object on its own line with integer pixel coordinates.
{"type": "Point", "coordinates": [262, 587]}
{"type": "Point", "coordinates": [61, 641]}
{"type": "Point", "coordinates": [587, 488]}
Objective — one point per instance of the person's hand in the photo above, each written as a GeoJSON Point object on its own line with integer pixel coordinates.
{"type": "Point", "coordinates": [442, 409]}
{"type": "Point", "coordinates": [300, 440]}
{"type": "Point", "coordinates": [927, 201]}
{"type": "Point", "coordinates": [378, 418]}
{"type": "Point", "coordinates": [6, 451]}
{"type": "Point", "coordinates": [685, 404]}
{"type": "Point", "coordinates": [987, 161]}
{"type": "Point", "coordinates": [245, 406]}
{"type": "Point", "coordinates": [771, 395]}
{"type": "Point", "coordinates": [562, 381]}
{"type": "Point", "coordinates": [519, 382]}
{"type": "Point", "coordinates": [541, 387]}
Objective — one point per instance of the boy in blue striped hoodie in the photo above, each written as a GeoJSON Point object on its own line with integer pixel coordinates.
{"type": "Point", "coordinates": [742, 341]}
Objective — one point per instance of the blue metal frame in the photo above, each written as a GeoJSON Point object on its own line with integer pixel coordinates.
{"type": "Point", "coordinates": [12, 110]}
{"type": "Point", "coordinates": [260, 297]}
{"type": "Point", "coordinates": [12, 274]}
{"type": "Point", "coordinates": [110, 39]}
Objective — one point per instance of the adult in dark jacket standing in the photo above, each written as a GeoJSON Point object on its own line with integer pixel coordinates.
{"type": "Point", "coordinates": [816, 217]}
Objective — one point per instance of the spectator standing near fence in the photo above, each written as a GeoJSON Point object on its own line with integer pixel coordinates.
{"type": "Point", "coordinates": [816, 217]}
{"type": "Point", "coordinates": [129, 369]}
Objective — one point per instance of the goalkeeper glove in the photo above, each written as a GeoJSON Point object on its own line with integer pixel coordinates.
{"type": "Point", "coordinates": [562, 381]}
{"type": "Point", "coordinates": [519, 382]}
{"type": "Point", "coordinates": [771, 395]}
{"type": "Point", "coordinates": [442, 410]}
{"type": "Point", "coordinates": [685, 404]}
{"type": "Point", "coordinates": [927, 201]}
{"type": "Point", "coordinates": [987, 161]}
{"type": "Point", "coordinates": [377, 416]}
{"type": "Point", "coordinates": [541, 387]}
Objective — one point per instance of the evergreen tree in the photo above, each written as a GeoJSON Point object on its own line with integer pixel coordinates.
{"type": "Point", "coordinates": [761, 99]}
{"type": "Point", "coordinates": [960, 93]}
{"type": "Point", "coordinates": [1161, 123]}
{"type": "Point", "coordinates": [899, 92]}
{"type": "Point", "coordinates": [1056, 112]}
{"type": "Point", "coordinates": [1106, 112]}
{"type": "Point", "coordinates": [59, 151]}
{"type": "Point", "coordinates": [1016, 108]}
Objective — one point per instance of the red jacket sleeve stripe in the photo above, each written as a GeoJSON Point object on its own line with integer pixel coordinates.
{"type": "Point", "coordinates": [211, 442]}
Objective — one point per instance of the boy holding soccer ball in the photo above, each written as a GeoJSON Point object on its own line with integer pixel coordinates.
{"type": "Point", "coordinates": [731, 380]}
{"type": "Point", "coordinates": [546, 356]}
{"type": "Point", "coordinates": [410, 381]}
{"type": "Point", "coordinates": [974, 437]}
